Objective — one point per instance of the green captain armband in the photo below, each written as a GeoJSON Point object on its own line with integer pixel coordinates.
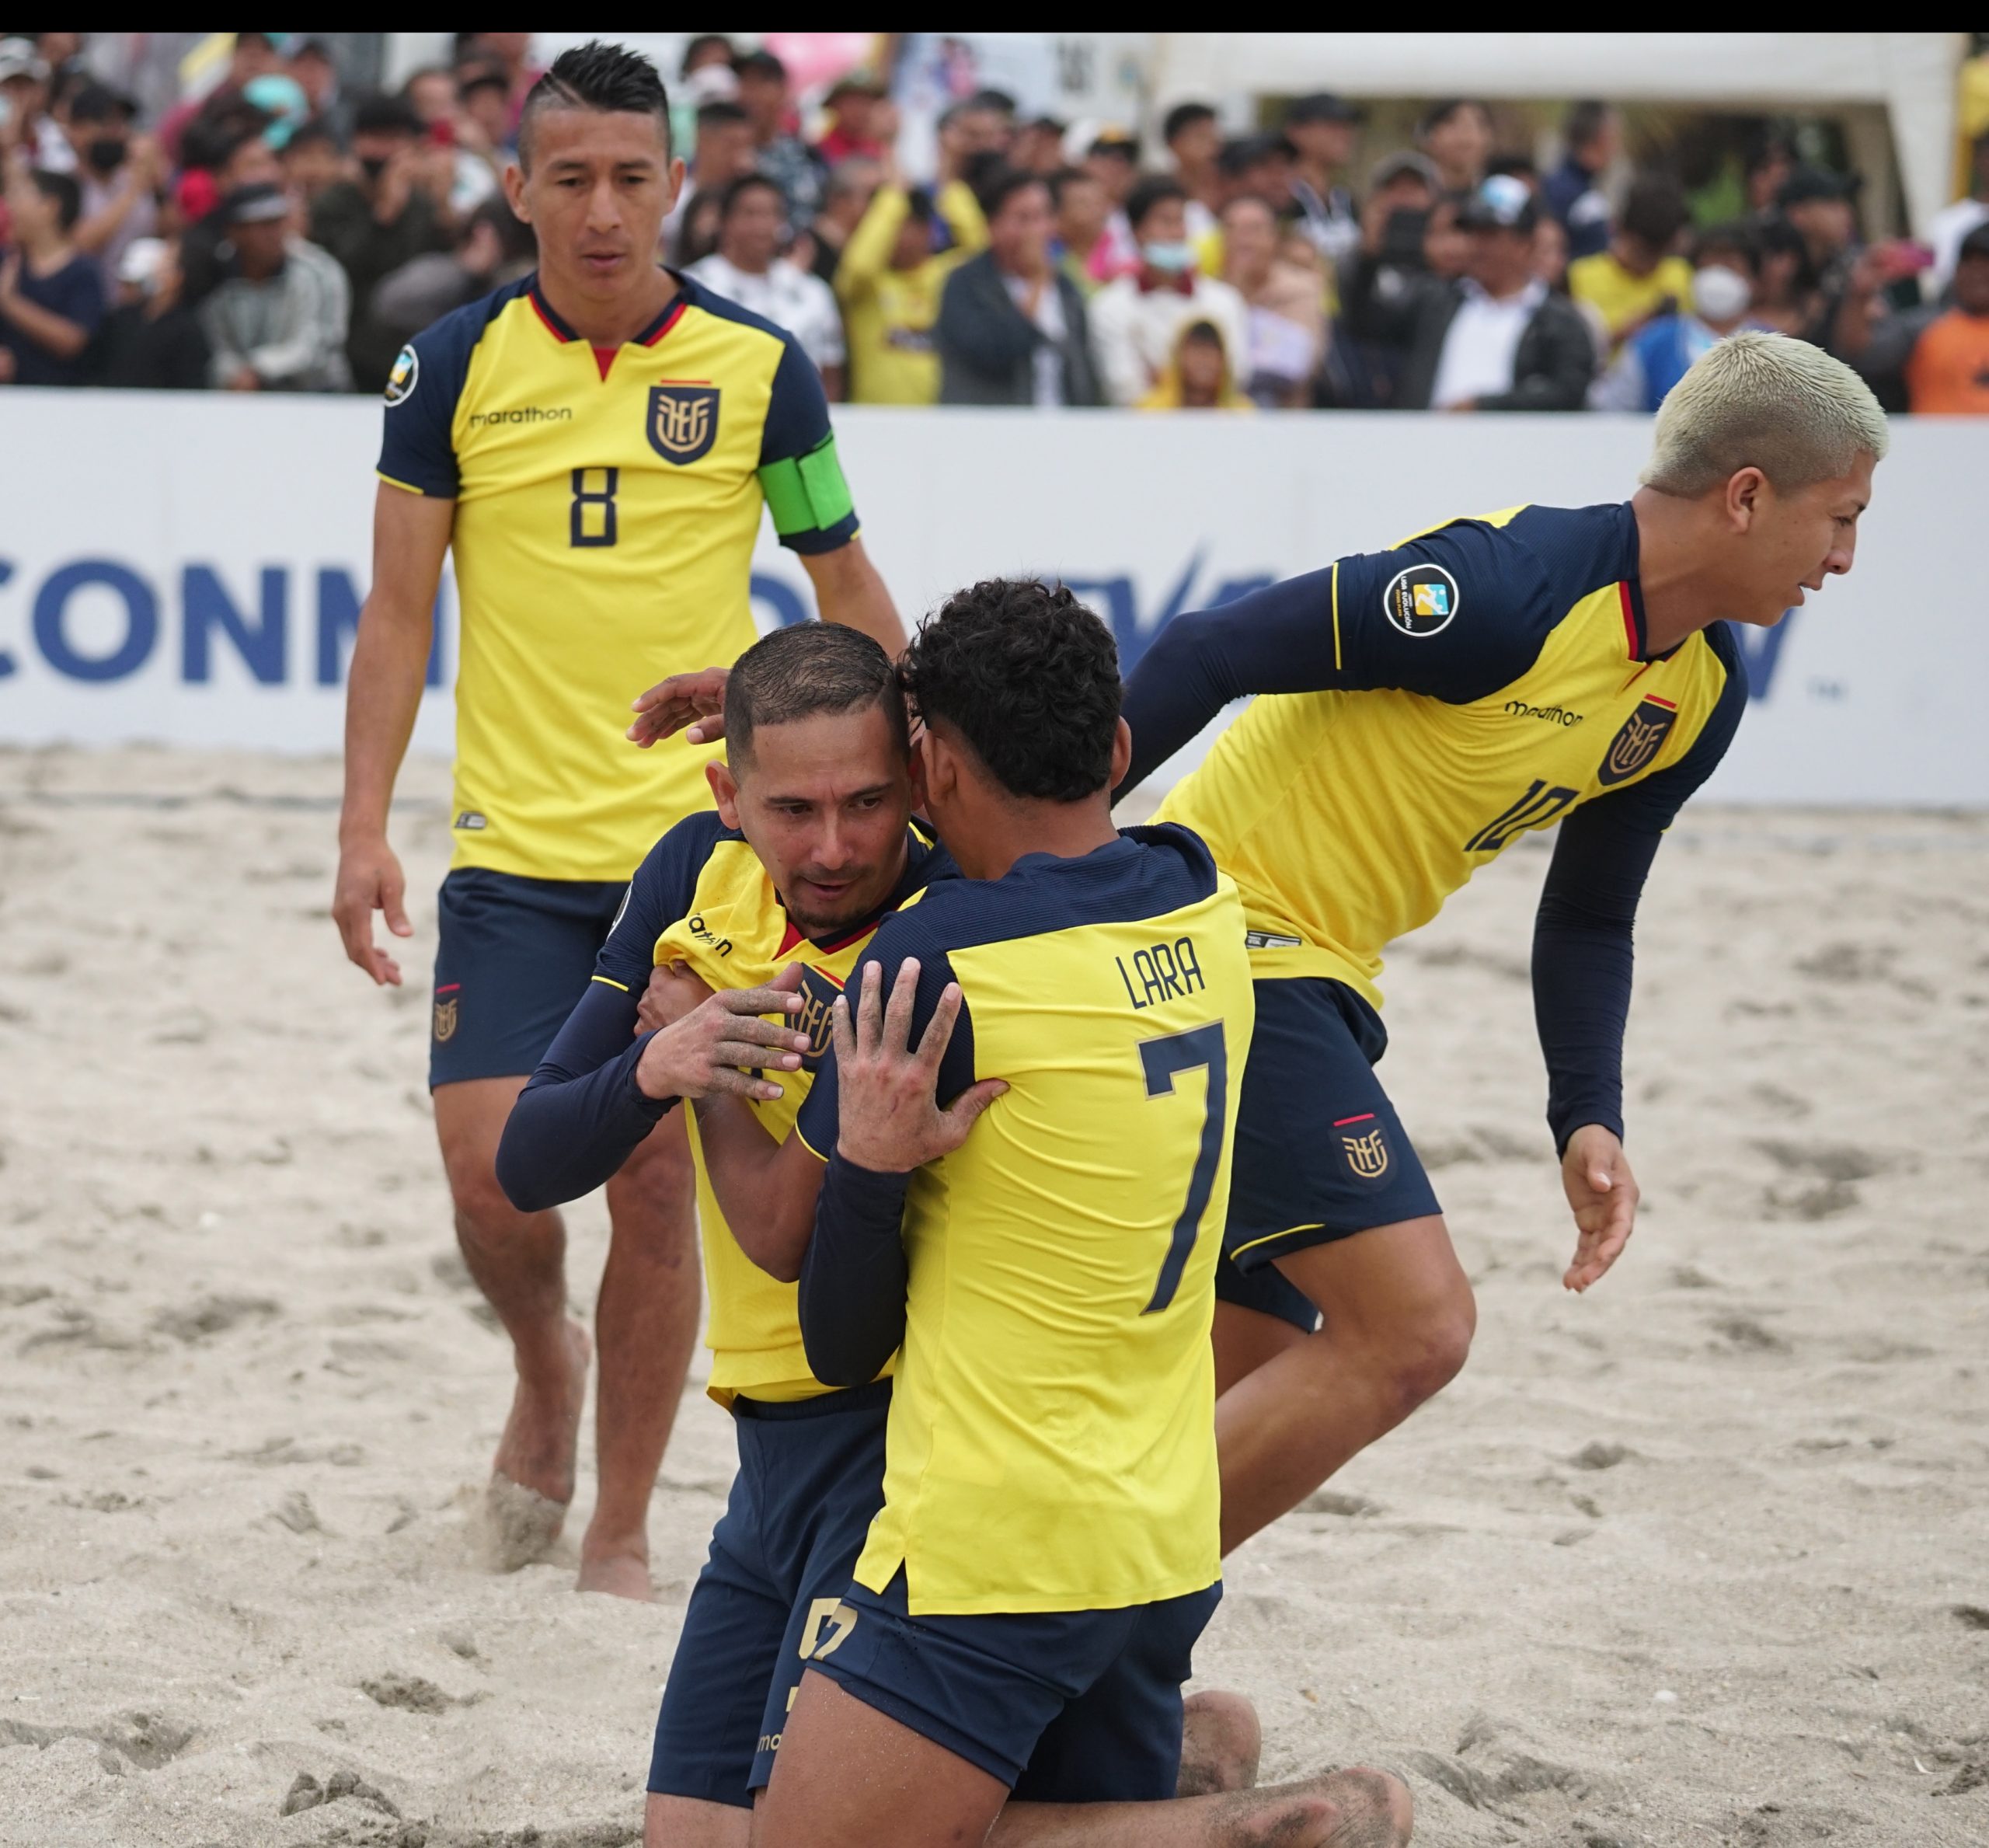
{"type": "Point", "coordinates": [807, 494]}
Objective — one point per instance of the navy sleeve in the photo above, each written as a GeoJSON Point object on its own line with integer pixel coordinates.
{"type": "Point", "coordinates": [1456, 614]}
{"type": "Point", "coordinates": [853, 1276]}
{"type": "Point", "coordinates": [800, 472]}
{"type": "Point", "coordinates": [581, 1115]}
{"type": "Point", "coordinates": [1583, 932]}
{"type": "Point", "coordinates": [663, 890]}
{"type": "Point", "coordinates": [417, 444]}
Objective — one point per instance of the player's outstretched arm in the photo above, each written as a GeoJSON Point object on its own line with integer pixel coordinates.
{"type": "Point", "coordinates": [383, 694]}
{"type": "Point", "coordinates": [848, 589]}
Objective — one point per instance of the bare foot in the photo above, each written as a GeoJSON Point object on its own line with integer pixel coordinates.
{"type": "Point", "coordinates": [531, 1477]}
{"type": "Point", "coordinates": [619, 1573]}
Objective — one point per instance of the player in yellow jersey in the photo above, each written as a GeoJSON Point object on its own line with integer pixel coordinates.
{"type": "Point", "coordinates": [1420, 708]}
{"type": "Point", "coordinates": [595, 443]}
{"type": "Point", "coordinates": [811, 847]}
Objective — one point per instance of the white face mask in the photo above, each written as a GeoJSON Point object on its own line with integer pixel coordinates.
{"type": "Point", "coordinates": [1719, 294]}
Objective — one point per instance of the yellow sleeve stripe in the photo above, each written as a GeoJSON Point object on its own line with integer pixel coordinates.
{"type": "Point", "coordinates": [1338, 668]}
{"type": "Point", "coordinates": [810, 1146]}
{"type": "Point", "coordinates": [1269, 1237]}
{"type": "Point", "coordinates": [610, 981]}
{"type": "Point", "coordinates": [406, 487]}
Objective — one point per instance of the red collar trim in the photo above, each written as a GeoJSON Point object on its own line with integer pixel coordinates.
{"type": "Point", "coordinates": [795, 937]}
{"type": "Point", "coordinates": [605, 356]}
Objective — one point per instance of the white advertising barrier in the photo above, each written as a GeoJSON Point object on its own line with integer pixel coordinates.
{"type": "Point", "coordinates": [190, 568]}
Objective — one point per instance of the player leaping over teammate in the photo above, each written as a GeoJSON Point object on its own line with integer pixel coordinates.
{"type": "Point", "coordinates": [1421, 708]}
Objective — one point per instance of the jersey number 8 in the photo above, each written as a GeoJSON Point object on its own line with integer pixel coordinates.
{"type": "Point", "coordinates": [591, 520]}
{"type": "Point", "coordinates": [1165, 1059]}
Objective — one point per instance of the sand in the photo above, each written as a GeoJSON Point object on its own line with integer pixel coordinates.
{"type": "Point", "coordinates": [1702, 1557]}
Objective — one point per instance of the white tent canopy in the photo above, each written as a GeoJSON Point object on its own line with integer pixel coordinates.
{"type": "Point", "coordinates": [1911, 75]}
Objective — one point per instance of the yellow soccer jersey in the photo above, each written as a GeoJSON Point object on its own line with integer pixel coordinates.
{"type": "Point", "coordinates": [1419, 709]}
{"type": "Point", "coordinates": [702, 898]}
{"type": "Point", "coordinates": [607, 505]}
{"type": "Point", "coordinates": [1052, 1443]}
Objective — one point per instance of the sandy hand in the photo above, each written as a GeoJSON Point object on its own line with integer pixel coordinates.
{"type": "Point", "coordinates": [672, 992]}
{"type": "Point", "coordinates": [1596, 1174]}
{"type": "Point", "coordinates": [694, 700]}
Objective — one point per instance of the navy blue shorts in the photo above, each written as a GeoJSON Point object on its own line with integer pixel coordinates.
{"type": "Point", "coordinates": [1063, 1707]}
{"type": "Point", "coordinates": [810, 1480]}
{"type": "Point", "coordinates": [514, 955]}
{"type": "Point", "coordinates": [1320, 1152]}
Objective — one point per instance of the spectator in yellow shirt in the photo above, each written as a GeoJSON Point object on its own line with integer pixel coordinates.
{"type": "Point", "coordinates": [1199, 376]}
{"type": "Point", "coordinates": [889, 282]}
{"type": "Point", "coordinates": [1640, 276]}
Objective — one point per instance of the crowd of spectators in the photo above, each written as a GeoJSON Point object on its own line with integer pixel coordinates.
{"type": "Point", "coordinates": [279, 234]}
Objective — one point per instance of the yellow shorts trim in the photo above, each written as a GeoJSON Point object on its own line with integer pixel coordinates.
{"type": "Point", "coordinates": [1272, 1237]}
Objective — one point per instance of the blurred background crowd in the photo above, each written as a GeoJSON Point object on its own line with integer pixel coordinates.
{"type": "Point", "coordinates": [258, 212]}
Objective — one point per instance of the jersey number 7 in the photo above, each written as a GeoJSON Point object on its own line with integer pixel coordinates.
{"type": "Point", "coordinates": [1165, 1059]}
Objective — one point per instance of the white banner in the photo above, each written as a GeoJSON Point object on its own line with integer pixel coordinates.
{"type": "Point", "coordinates": [190, 568]}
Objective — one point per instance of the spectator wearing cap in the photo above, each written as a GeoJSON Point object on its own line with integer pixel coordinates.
{"type": "Point", "coordinates": [51, 294]}
{"type": "Point", "coordinates": [278, 323]}
{"type": "Point", "coordinates": [889, 282]}
{"type": "Point", "coordinates": [1928, 360]}
{"type": "Point", "coordinates": [1591, 138]}
{"type": "Point", "coordinates": [27, 128]}
{"type": "Point", "coordinates": [1012, 328]}
{"type": "Point", "coordinates": [780, 153]}
{"type": "Point", "coordinates": [1322, 129]}
{"type": "Point", "coordinates": [1953, 223]}
{"type": "Point", "coordinates": [1456, 134]}
{"type": "Point", "coordinates": [861, 124]}
{"type": "Point", "coordinates": [1200, 375]}
{"type": "Point", "coordinates": [151, 341]}
{"type": "Point", "coordinates": [122, 176]}
{"type": "Point", "coordinates": [1194, 144]}
{"type": "Point", "coordinates": [247, 160]}
{"type": "Point", "coordinates": [1286, 309]}
{"type": "Point", "coordinates": [1135, 320]}
{"type": "Point", "coordinates": [1641, 275]}
{"type": "Point", "coordinates": [748, 267]}
{"type": "Point", "coordinates": [1496, 338]}
{"type": "Point", "coordinates": [1724, 264]}
{"type": "Point", "coordinates": [393, 210]}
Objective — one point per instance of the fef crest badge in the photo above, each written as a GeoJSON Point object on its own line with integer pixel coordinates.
{"type": "Point", "coordinates": [1641, 739]}
{"type": "Point", "coordinates": [445, 1019]}
{"type": "Point", "coordinates": [1365, 1142]}
{"type": "Point", "coordinates": [683, 422]}
{"type": "Point", "coordinates": [816, 1019]}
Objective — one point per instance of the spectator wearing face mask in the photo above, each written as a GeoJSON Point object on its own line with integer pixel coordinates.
{"type": "Point", "coordinates": [1135, 320]}
{"type": "Point", "coordinates": [1495, 339]}
{"type": "Point", "coordinates": [1199, 376]}
{"type": "Point", "coordinates": [122, 176]}
{"type": "Point", "coordinates": [889, 282]}
{"type": "Point", "coordinates": [51, 295]}
{"type": "Point", "coordinates": [278, 322]}
{"type": "Point", "coordinates": [747, 268]}
{"type": "Point", "coordinates": [1012, 328]}
{"type": "Point", "coordinates": [1935, 362]}
{"type": "Point", "coordinates": [1640, 276]}
{"type": "Point", "coordinates": [1653, 360]}
{"type": "Point", "coordinates": [151, 341]}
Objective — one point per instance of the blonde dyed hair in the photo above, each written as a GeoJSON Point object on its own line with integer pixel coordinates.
{"type": "Point", "coordinates": [1768, 402]}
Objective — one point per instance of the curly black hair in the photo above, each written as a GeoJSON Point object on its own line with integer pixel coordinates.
{"type": "Point", "coordinates": [1028, 678]}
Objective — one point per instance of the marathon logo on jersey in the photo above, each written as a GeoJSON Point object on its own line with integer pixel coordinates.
{"type": "Point", "coordinates": [403, 379]}
{"type": "Point", "coordinates": [1365, 1141]}
{"type": "Point", "coordinates": [1641, 739]}
{"type": "Point", "coordinates": [1421, 600]}
{"type": "Point", "coordinates": [683, 421]}
{"type": "Point", "coordinates": [816, 1019]}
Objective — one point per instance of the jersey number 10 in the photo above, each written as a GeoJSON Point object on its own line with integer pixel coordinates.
{"type": "Point", "coordinates": [1165, 1059]}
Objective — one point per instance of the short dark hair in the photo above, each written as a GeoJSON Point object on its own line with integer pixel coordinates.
{"type": "Point", "coordinates": [701, 43]}
{"type": "Point", "coordinates": [68, 196]}
{"type": "Point", "coordinates": [1155, 189]}
{"type": "Point", "coordinates": [480, 76]}
{"type": "Point", "coordinates": [1736, 238]}
{"type": "Point", "coordinates": [736, 190]}
{"type": "Point", "coordinates": [608, 77]}
{"type": "Point", "coordinates": [721, 109]}
{"type": "Point", "coordinates": [1438, 113]}
{"type": "Point", "coordinates": [1002, 187]}
{"type": "Point", "coordinates": [307, 135]}
{"type": "Point", "coordinates": [804, 670]}
{"type": "Point", "coordinates": [382, 114]}
{"type": "Point", "coordinates": [1028, 678]}
{"type": "Point", "coordinates": [1184, 115]}
{"type": "Point", "coordinates": [1654, 209]}
{"type": "Point", "coordinates": [1583, 125]}
{"type": "Point", "coordinates": [1976, 244]}
{"type": "Point", "coordinates": [1065, 177]}
{"type": "Point", "coordinates": [759, 64]}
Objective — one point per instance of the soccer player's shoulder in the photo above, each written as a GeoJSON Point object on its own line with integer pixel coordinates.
{"type": "Point", "coordinates": [439, 355]}
{"type": "Point", "coordinates": [669, 873]}
{"type": "Point", "coordinates": [703, 298]}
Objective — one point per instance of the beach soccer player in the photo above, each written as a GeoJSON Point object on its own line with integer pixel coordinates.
{"type": "Point", "coordinates": [595, 443]}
